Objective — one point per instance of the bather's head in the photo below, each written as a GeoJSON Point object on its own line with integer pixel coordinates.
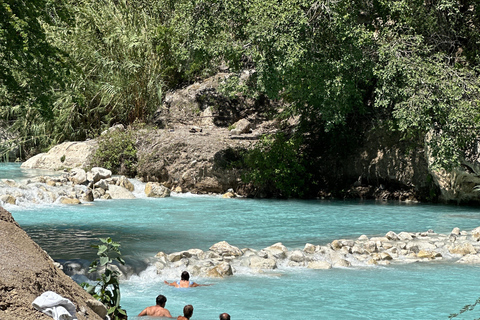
{"type": "Point", "coordinates": [224, 316]}
{"type": "Point", "coordinates": [188, 311]}
{"type": "Point", "coordinates": [185, 276]}
{"type": "Point", "coordinates": [161, 300]}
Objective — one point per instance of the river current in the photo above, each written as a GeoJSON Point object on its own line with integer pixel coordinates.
{"type": "Point", "coordinates": [145, 226]}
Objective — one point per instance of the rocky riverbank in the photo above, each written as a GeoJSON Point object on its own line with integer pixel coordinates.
{"type": "Point", "coordinates": [27, 271]}
{"type": "Point", "coordinates": [76, 186]}
{"type": "Point", "coordinates": [223, 259]}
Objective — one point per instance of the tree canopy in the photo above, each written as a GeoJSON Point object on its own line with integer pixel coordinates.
{"type": "Point", "coordinates": [69, 69]}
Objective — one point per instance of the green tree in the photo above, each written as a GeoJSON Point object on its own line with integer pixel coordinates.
{"type": "Point", "coordinates": [276, 167]}
{"type": "Point", "coordinates": [117, 77]}
{"type": "Point", "coordinates": [428, 72]}
{"type": "Point", "coordinates": [31, 69]}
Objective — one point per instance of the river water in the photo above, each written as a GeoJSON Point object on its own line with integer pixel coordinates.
{"type": "Point", "coordinates": [145, 226]}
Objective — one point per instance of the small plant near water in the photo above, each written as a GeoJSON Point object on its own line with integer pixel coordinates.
{"type": "Point", "coordinates": [107, 288]}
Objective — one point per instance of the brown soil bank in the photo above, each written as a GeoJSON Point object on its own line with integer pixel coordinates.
{"type": "Point", "coordinates": [26, 271]}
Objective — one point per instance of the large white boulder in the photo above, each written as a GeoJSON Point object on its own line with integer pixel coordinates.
{"type": "Point", "coordinates": [220, 270]}
{"type": "Point", "coordinates": [223, 248]}
{"type": "Point", "coordinates": [77, 176]}
{"type": "Point", "coordinates": [66, 155]}
{"type": "Point", "coordinates": [257, 262]}
{"type": "Point", "coordinates": [117, 192]}
{"type": "Point", "coordinates": [277, 251]}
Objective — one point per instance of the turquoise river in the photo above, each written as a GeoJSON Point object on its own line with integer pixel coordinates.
{"type": "Point", "coordinates": [144, 226]}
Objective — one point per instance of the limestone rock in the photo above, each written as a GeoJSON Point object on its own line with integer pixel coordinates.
{"type": "Point", "coordinates": [106, 196]}
{"type": "Point", "coordinates": [277, 250]}
{"type": "Point", "coordinates": [229, 195]}
{"type": "Point", "coordinates": [98, 307]}
{"type": "Point", "coordinates": [9, 182]}
{"type": "Point", "coordinates": [77, 176]}
{"type": "Point", "coordinates": [297, 256]}
{"type": "Point", "coordinates": [363, 238]}
{"type": "Point", "coordinates": [89, 197]}
{"type": "Point", "coordinates": [426, 254]}
{"type": "Point", "coordinates": [65, 155]}
{"type": "Point", "coordinates": [405, 236]}
{"type": "Point", "coordinates": [119, 127]}
{"type": "Point", "coordinates": [156, 190]}
{"type": "Point", "coordinates": [124, 182]}
{"type": "Point", "coordinates": [476, 233]}
{"type": "Point", "coordinates": [342, 263]}
{"type": "Point", "coordinates": [241, 126]}
{"type": "Point", "coordinates": [101, 173]}
{"type": "Point", "coordinates": [196, 253]}
{"type": "Point", "coordinates": [221, 270]}
{"type": "Point", "coordinates": [175, 256]}
{"type": "Point", "coordinates": [455, 231]}
{"type": "Point", "coordinates": [102, 184]}
{"type": "Point", "coordinates": [463, 249]}
{"type": "Point", "coordinates": [223, 248]}
{"type": "Point", "coordinates": [257, 262]}
{"type": "Point", "coordinates": [336, 244]}
{"type": "Point", "coordinates": [93, 177]}
{"type": "Point", "coordinates": [309, 248]}
{"type": "Point", "coordinates": [178, 190]}
{"type": "Point", "coordinates": [117, 192]}
{"type": "Point", "coordinates": [470, 259]}
{"type": "Point", "coordinates": [67, 200]}
{"type": "Point", "coordinates": [392, 236]}
{"type": "Point", "coordinates": [7, 198]}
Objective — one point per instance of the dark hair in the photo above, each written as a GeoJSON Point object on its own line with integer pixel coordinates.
{"type": "Point", "coordinates": [188, 311]}
{"type": "Point", "coordinates": [185, 276]}
{"type": "Point", "coordinates": [161, 300]}
{"type": "Point", "coordinates": [224, 316]}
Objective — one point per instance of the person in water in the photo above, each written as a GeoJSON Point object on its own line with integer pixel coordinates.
{"type": "Point", "coordinates": [158, 310]}
{"type": "Point", "coordinates": [187, 312]}
{"type": "Point", "coordinates": [185, 282]}
{"type": "Point", "coordinates": [224, 316]}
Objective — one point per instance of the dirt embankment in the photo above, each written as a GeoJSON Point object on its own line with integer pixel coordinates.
{"type": "Point", "coordinates": [27, 271]}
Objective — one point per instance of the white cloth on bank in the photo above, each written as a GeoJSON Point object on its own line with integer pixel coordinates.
{"type": "Point", "coordinates": [55, 306]}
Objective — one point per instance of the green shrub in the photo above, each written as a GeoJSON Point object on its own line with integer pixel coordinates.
{"type": "Point", "coordinates": [117, 152]}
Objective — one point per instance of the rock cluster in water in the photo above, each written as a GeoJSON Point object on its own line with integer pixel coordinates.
{"type": "Point", "coordinates": [223, 259]}
{"type": "Point", "coordinates": [75, 187]}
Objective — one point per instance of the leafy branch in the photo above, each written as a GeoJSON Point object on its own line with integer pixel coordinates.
{"type": "Point", "coordinates": [107, 288]}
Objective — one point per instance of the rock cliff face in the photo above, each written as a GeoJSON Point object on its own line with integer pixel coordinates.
{"type": "Point", "coordinates": [200, 129]}
{"type": "Point", "coordinates": [27, 271]}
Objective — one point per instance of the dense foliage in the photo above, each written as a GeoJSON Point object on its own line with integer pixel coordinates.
{"type": "Point", "coordinates": [70, 69]}
{"type": "Point", "coordinates": [117, 152]}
